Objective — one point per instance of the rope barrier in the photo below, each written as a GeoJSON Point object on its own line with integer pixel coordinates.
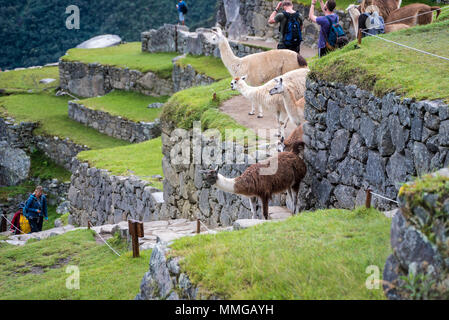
{"type": "Point", "coordinates": [212, 232]}
{"type": "Point", "coordinates": [405, 46]}
{"type": "Point", "coordinates": [12, 224]}
{"type": "Point", "coordinates": [380, 196]}
{"type": "Point", "coordinates": [106, 243]}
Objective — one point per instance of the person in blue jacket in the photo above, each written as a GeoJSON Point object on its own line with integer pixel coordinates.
{"type": "Point", "coordinates": [36, 209]}
{"type": "Point", "coordinates": [182, 10]}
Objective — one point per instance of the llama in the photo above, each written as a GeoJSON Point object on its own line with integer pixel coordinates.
{"type": "Point", "coordinates": [294, 108]}
{"type": "Point", "coordinates": [416, 12]}
{"type": "Point", "coordinates": [294, 142]}
{"type": "Point", "coordinates": [260, 95]}
{"type": "Point", "coordinates": [291, 169]}
{"type": "Point", "coordinates": [260, 67]}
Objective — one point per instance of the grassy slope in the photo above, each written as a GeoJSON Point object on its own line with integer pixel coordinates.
{"type": "Point", "coordinates": [385, 67]}
{"type": "Point", "coordinates": [142, 159]}
{"type": "Point", "coordinates": [128, 55]}
{"type": "Point", "coordinates": [315, 255]}
{"type": "Point", "coordinates": [129, 105]}
{"type": "Point", "coordinates": [207, 65]}
{"type": "Point", "coordinates": [22, 80]}
{"type": "Point", "coordinates": [51, 113]}
{"type": "Point", "coordinates": [196, 104]}
{"type": "Point", "coordinates": [103, 275]}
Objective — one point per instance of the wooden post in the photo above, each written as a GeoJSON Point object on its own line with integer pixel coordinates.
{"type": "Point", "coordinates": [198, 226]}
{"type": "Point", "coordinates": [214, 97]}
{"type": "Point", "coordinates": [3, 224]}
{"type": "Point", "coordinates": [368, 198]}
{"type": "Point", "coordinates": [359, 36]}
{"type": "Point", "coordinates": [88, 224]}
{"type": "Point", "coordinates": [133, 231]}
{"type": "Point", "coordinates": [176, 38]}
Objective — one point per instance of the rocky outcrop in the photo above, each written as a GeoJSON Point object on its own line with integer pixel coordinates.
{"type": "Point", "coordinates": [186, 77]}
{"type": "Point", "coordinates": [102, 198]}
{"type": "Point", "coordinates": [355, 140]}
{"type": "Point", "coordinates": [242, 18]}
{"type": "Point", "coordinates": [171, 38]}
{"type": "Point", "coordinates": [93, 79]}
{"type": "Point", "coordinates": [114, 126]}
{"type": "Point", "coordinates": [419, 265]}
{"type": "Point", "coordinates": [14, 165]}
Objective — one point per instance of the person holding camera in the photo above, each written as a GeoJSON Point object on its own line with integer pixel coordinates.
{"type": "Point", "coordinates": [290, 26]}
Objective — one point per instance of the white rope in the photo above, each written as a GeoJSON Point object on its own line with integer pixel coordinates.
{"type": "Point", "coordinates": [12, 224]}
{"type": "Point", "coordinates": [201, 222]}
{"type": "Point", "coordinates": [408, 47]}
{"type": "Point", "coordinates": [380, 196]}
{"type": "Point", "coordinates": [106, 242]}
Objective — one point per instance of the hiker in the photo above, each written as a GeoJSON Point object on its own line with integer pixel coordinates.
{"type": "Point", "coordinates": [332, 35]}
{"type": "Point", "coordinates": [182, 10]}
{"type": "Point", "coordinates": [290, 26]}
{"type": "Point", "coordinates": [20, 223]}
{"type": "Point", "coordinates": [371, 22]}
{"type": "Point", "coordinates": [36, 209]}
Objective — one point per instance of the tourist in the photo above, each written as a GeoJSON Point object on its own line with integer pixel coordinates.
{"type": "Point", "coordinates": [19, 223]}
{"type": "Point", "coordinates": [182, 10]}
{"type": "Point", "coordinates": [290, 26]}
{"type": "Point", "coordinates": [370, 22]}
{"type": "Point", "coordinates": [323, 21]}
{"type": "Point", "coordinates": [36, 209]}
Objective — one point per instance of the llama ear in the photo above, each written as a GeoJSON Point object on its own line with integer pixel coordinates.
{"type": "Point", "coordinates": [216, 168]}
{"type": "Point", "coordinates": [280, 80]}
{"type": "Point", "coordinates": [244, 77]}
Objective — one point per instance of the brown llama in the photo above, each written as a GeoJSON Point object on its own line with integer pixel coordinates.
{"type": "Point", "coordinates": [294, 142]}
{"type": "Point", "coordinates": [291, 169]}
{"type": "Point", "coordinates": [419, 13]}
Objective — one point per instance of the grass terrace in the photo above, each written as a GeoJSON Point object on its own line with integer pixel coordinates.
{"type": "Point", "coordinates": [51, 113]}
{"type": "Point", "coordinates": [197, 104]}
{"type": "Point", "coordinates": [384, 67]}
{"type": "Point", "coordinates": [128, 105]}
{"type": "Point", "coordinates": [207, 65]}
{"type": "Point", "coordinates": [24, 80]}
{"type": "Point", "coordinates": [37, 271]}
{"type": "Point", "coordinates": [314, 255]}
{"type": "Point", "coordinates": [128, 55]}
{"type": "Point", "coordinates": [141, 159]}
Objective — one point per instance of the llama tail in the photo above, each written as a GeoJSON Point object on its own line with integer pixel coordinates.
{"type": "Point", "coordinates": [438, 9]}
{"type": "Point", "coordinates": [301, 61]}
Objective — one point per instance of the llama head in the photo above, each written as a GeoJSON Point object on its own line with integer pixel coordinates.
{"type": "Point", "coordinates": [218, 35]}
{"type": "Point", "coordinates": [278, 88]}
{"type": "Point", "coordinates": [210, 176]}
{"type": "Point", "coordinates": [236, 81]}
{"type": "Point", "coordinates": [297, 147]}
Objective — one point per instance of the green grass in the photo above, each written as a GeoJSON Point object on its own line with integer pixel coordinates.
{"type": "Point", "coordinates": [44, 168]}
{"type": "Point", "coordinates": [103, 275]}
{"type": "Point", "coordinates": [128, 105]}
{"type": "Point", "coordinates": [315, 255]}
{"type": "Point", "coordinates": [12, 191]}
{"type": "Point", "coordinates": [128, 55]}
{"type": "Point", "coordinates": [197, 104]}
{"type": "Point", "coordinates": [24, 80]}
{"type": "Point", "coordinates": [384, 67]}
{"type": "Point", "coordinates": [141, 159]}
{"type": "Point", "coordinates": [207, 65]}
{"type": "Point", "coordinates": [51, 113]}
{"type": "Point", "coordinates": [52, 216]}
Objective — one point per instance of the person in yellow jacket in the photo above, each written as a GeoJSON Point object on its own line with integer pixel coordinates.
{"type": "Point", "coordinates": [20, 223]}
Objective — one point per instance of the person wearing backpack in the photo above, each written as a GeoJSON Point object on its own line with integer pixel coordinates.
{"type": "Point", "coordinates": [370, 22]}
{"type": "Point", "coordinates": [332, 35]}
{"type": "Point", "coordinates": [182, 10]}
{"type": "Point", "coordinates": [35, 209]}
{"type": "Point", "coordinates": [290, 26]}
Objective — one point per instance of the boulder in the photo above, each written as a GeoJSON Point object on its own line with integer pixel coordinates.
{"type": "Point", "coordinates": [14, 165]}
{"type": "Point", "coordinates": [103, 41]}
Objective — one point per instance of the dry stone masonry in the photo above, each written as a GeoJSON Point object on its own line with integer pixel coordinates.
{"type": "Point", "coordinates": [355, 140]}
{"type": "Point", "coordinates": [114, 126]}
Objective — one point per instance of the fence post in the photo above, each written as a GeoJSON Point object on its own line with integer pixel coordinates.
{"type": "Point", "coordinates": [359, 36]}
{"type": "Point", "coordinates": [198, 226]}
{"type": "Point", "coordinates": [134, 231]}
{"type": "Point", "coordinates": [3, 224]}
{"type": "Point", "coordinates": [176, 38]}
{"type": "Point", "coordinates": [214, 97]}
{"type": "Point", "coordinates": [88, 224]}
{"type": "Point", "coordinates": [368, 198]}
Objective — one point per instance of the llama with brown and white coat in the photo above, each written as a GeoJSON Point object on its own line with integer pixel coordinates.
{"type": "Point", "coordinates": [274, 103]}
{"type": "Point", "coordinates": [258, 67]}
{"type": "Point", "coordinates": [254, 184]}
{"type": "Point", "coordinates": [414, 14]}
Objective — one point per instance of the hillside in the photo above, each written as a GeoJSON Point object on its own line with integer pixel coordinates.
{"type": "Point", "coordinates": [34, 32]}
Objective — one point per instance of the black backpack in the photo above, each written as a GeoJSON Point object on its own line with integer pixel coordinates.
{"type": "Point", "coordinates": [292, 29]}
{"type": "Point", "coordinates": [183, 8]}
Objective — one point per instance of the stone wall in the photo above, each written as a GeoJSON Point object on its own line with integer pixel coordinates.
{"type": "Point", "coordinates": [186, 77]}
{"type": "Point", "coordinates": [93, 79]}
{"type": "Point", "coordinates": [102, 198]}
{"type": "Point", "coordinates": [355, 140]}
{"type": "Point", "coordinates": [114, 126]}
{"type": "Point", "coordinates": [187, 196]}
{"type": "Point", "coordinates": [171, 38]}
{"type": "Point", "coordinates": [249, 17]}
{"type": "Point", "coordinates": [419, 239]}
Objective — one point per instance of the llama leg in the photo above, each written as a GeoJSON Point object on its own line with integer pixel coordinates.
{"type": "Point", "coordinates": [260, 112]}
{"type": "Point", "coordinates": [265, 208]}
{"type": "Point", "coordinates": [253, 109]}
{"type": "Point", "coordinates": [253, 205]}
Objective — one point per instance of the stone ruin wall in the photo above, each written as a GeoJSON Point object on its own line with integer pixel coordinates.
{"type": "Point", "coordinates": [242, 18]}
